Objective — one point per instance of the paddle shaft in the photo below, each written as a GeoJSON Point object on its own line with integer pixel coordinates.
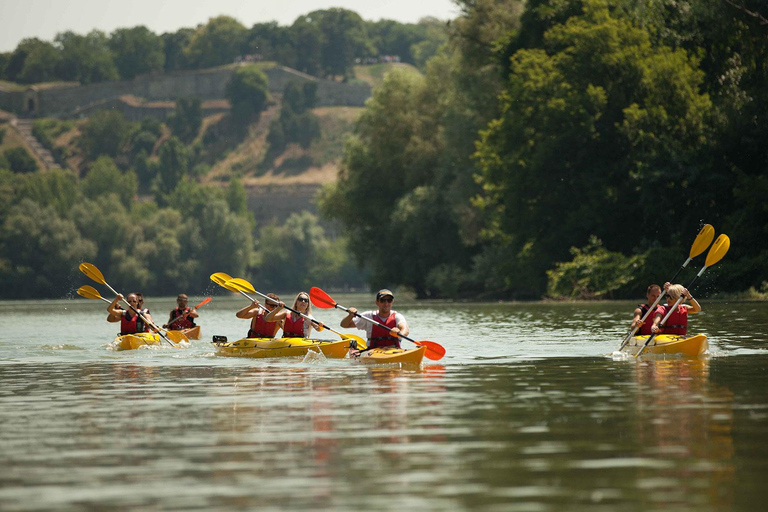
{"type": "Point", "coordinates": [374, 322]}
{"type": "Point", "coordinates": [653, 306]}
{"type": "Point", "coordinates": [290, 309]}
{"type": "Point", "coordinates": [669, 313]}
{"type": "Point", "coordinates": [185, 314]}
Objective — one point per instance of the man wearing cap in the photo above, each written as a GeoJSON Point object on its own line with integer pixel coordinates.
{"type": "Point", "coordinates": [379, 336]}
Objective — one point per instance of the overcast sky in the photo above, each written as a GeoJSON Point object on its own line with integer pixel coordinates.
{"type": "Point", "coordinates": [44, 19]}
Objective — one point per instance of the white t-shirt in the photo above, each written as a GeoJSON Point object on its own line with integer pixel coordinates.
{"type": "Point", "coordinates": [367, 326]}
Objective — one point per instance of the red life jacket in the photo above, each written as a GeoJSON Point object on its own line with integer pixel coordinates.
{"type": "Point", "coordinates": [261, 328]}
{"type": "Point", "coordinates": [677, 323]}
{"type": "Point", "coordinates": [182, 323]}
{"type": "Point", "coordinates": [380, 336]}
{"type": "Point", "coordinates": [293, 328]}
{"type": "Point", "coordinates": [132, 325]}
{"type": "Point", "coordinates": [645, 329]}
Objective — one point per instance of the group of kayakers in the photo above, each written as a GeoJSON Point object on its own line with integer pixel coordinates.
{"type": "Point", "coordinates": [273, 315]}
{"type": "Point", "coordinates": [677, 323]}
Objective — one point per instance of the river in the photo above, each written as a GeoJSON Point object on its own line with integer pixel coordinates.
{"type": "Point", "coordinates": [530, 410]}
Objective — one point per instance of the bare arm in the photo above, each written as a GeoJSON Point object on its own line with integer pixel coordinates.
{"type": "Point", "coordinates": [249, 311]}
{"type": "Point", "coordinates": [348, 322]}
{"type": "Point", "coordinates": [276, 314]}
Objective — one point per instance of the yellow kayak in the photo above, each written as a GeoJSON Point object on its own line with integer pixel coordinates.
{"type": "Point", "coordinates": [192, 333]}
{"type": "Point", "coordinates": [391, 355]}
{"type": "Point", "coordinates": [669, 344]}
{"type": "Point", "coordinates": [139, 340]}
{"type": "Point", "coordinates": [281, 347]}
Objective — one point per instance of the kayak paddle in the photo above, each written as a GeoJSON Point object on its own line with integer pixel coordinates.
{"type": "Point", "coordinates": [700, 244]}
{"type": "Point", "coordinates": [244, 286]}
{"type": "Point", "coordinates": [715, 254]}
{"type": "Point", "coordinates": [319, 298]}
{"type": "Point", "coordinates": [95, 274]}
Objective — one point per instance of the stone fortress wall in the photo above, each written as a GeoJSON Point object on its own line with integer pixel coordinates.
{"type": "Point", "coordinates": [208, 84]}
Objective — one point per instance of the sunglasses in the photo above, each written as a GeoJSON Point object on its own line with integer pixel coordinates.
{"type": "Point", "coordinates": [303, 299]}
{"type": "Point", "coordinates": [386, 299]}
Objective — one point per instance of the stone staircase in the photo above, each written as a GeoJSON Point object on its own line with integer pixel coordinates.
{"type": "Point", "coordinates": [24, 128]}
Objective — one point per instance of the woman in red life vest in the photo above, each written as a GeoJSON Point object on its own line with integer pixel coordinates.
{"type": "Point", "coordinates": [295, 326]}
{"type": "Point", "coordinates": [130, 322]}
{"type": "Point", "coordinates": [260, 328]}
{"type": "Point", "coordinates": [186, 315]}
{"type": "Point", "coordinates": [677, 323]}
{"type": "Point", "coordinates": [378, 336]}
{"type": "Point", "coordinates": [651, 294]}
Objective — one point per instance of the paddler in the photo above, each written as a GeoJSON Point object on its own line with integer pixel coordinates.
{"type": "Point", "coordinates": [651, 294]}
{"type": "Point", "coordinates": [378, 336]}
{"type": "Point", "coordinates": [677, 323]}
{"type": "Point", "coordinates": [130, 322]}
{"type": "Point", "coordinates": [183, 317]}
{"type": "Point", "coordinates": [295, 326]}
{"type": "Point", "coordinates": [260, 327]}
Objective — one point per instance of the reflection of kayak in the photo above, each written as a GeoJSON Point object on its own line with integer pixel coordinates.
{"type": "Point", "coordinates": [669, 344]}
{"type": "Point", "coordinates": [391, 355]}
{"type": "Point", "coordinates": [192, 333]}
{"type": "Point", "coordinates": [281, 347]}
{"type": "Point", "coordinates": [138, 340]}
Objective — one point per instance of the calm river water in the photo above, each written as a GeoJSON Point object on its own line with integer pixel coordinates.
{"type": "Point", "coordinates": [528, 411]}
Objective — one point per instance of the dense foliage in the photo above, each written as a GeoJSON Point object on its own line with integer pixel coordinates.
{"type": "Point", "coordinates": [565, 147]}
{"type": "Point", "coordinates": [324, 43]}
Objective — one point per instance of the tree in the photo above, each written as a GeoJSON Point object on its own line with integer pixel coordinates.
{"type": "Point", "coordinates": [186, 119]}
{"type": "Point", "coordinates": [173, 166]}
{"type": "Point", "coordinates": [247, 92]}
{"type": "Point", "coordinates": [86, 59]}
{"type": "Point", "coordinates": [271, 42]}
{"type": "Point", "coordinates": [174, 46]}
{"type": "Point", "coordinates": [19, 160]}
{"type": "Point", "coordinates": [40, 64]}
{"type": "Point", "coordinates": [601, 112]}
{"type": "Point", "coordinates": [104, 178]}
{"type": "Point", "coordinates": [218, 42]}
{"type": "Point", "coordinates": [105, 133]}
{"type": "Point", "coordinates": [137, 51]}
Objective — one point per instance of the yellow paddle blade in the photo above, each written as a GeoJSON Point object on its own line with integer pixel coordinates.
{"type": "Point", "coordinates": [90, 270]}
{"type": "Point", "coordinates": [241, 284]}
{"type": "Point", "coordinates": [703, 239]}
{"type": "Point", "coordinates": [89, 292]}
{"type": "Point", "coordinates": [718, 250]}
{"type": "Point", "coordinates": [176, 336]}
{"type": "Point", "coordinates": [220, 278]}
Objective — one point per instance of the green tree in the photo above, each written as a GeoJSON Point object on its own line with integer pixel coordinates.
{"type": "Point", "coordinates": [173, 166]}
{"type": "Point", "coordinates": [186, 119]}
{"type": "Point", "coordinates": [218, 42]}
{"type": "Point", "coordinates": [86, 59]}
{"type": "Point", "coordinates": [19, 160]}
{"type": "Point", "coordinates": [248, 93]}
{"type": "Point", "coordinates": [105, 133]}
{"type": "Point", "coordinates": [600, 111]}
{"type": "Point", "coordinates": [271, 42]}
{"type": "Point", "coordinates": [104, 178]}
{"type": "Point", "coordinates": [40, 64]}
{"type": "Point", "coordinates": [56, 188]}
{"type": "Point", "coordinates": [137, 51]}
{"type": "Point", "coordinates": [38, 250]}
{"type": "Point", "coordinates": [174, 46]}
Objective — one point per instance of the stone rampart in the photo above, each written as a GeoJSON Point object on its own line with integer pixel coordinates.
{"type": "Point", "coordinates": [205, 84]}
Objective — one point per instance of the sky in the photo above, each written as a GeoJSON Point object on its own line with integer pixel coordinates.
{"type": "Point", "coordinates": [44, 19]}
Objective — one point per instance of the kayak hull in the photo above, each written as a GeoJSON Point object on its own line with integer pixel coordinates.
{"type": "Point", "coordinates": [391, 355]}
{"type": "Point", "coordinates": [691, 346]}
{"type": "Point", "coordinates": [192, 333]}
{"type": "Point", "coordinates": [281, 347]}
{"type": "Point", "coordinates": [138, 340]}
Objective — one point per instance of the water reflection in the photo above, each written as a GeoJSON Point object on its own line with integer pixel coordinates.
{"type": "Point", "coordinates": [685, 421]}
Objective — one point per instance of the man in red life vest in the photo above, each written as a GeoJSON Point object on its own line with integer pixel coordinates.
{"type": "Point", "coordinates": [651, 294]}
{"type": "Point", "coordinates": [186, 316]}
{"type": "Point", "coordinates": [130, 322]}
{"type": "Point", "coordinates": [260, 328]}
{"type": "Point", "coordinates": [677, 323]}
{"type": "Point", "coordinates": [378, 336]}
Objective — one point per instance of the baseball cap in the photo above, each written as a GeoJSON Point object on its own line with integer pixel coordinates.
{"type": "Point", "coordinates": [384, 293]}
